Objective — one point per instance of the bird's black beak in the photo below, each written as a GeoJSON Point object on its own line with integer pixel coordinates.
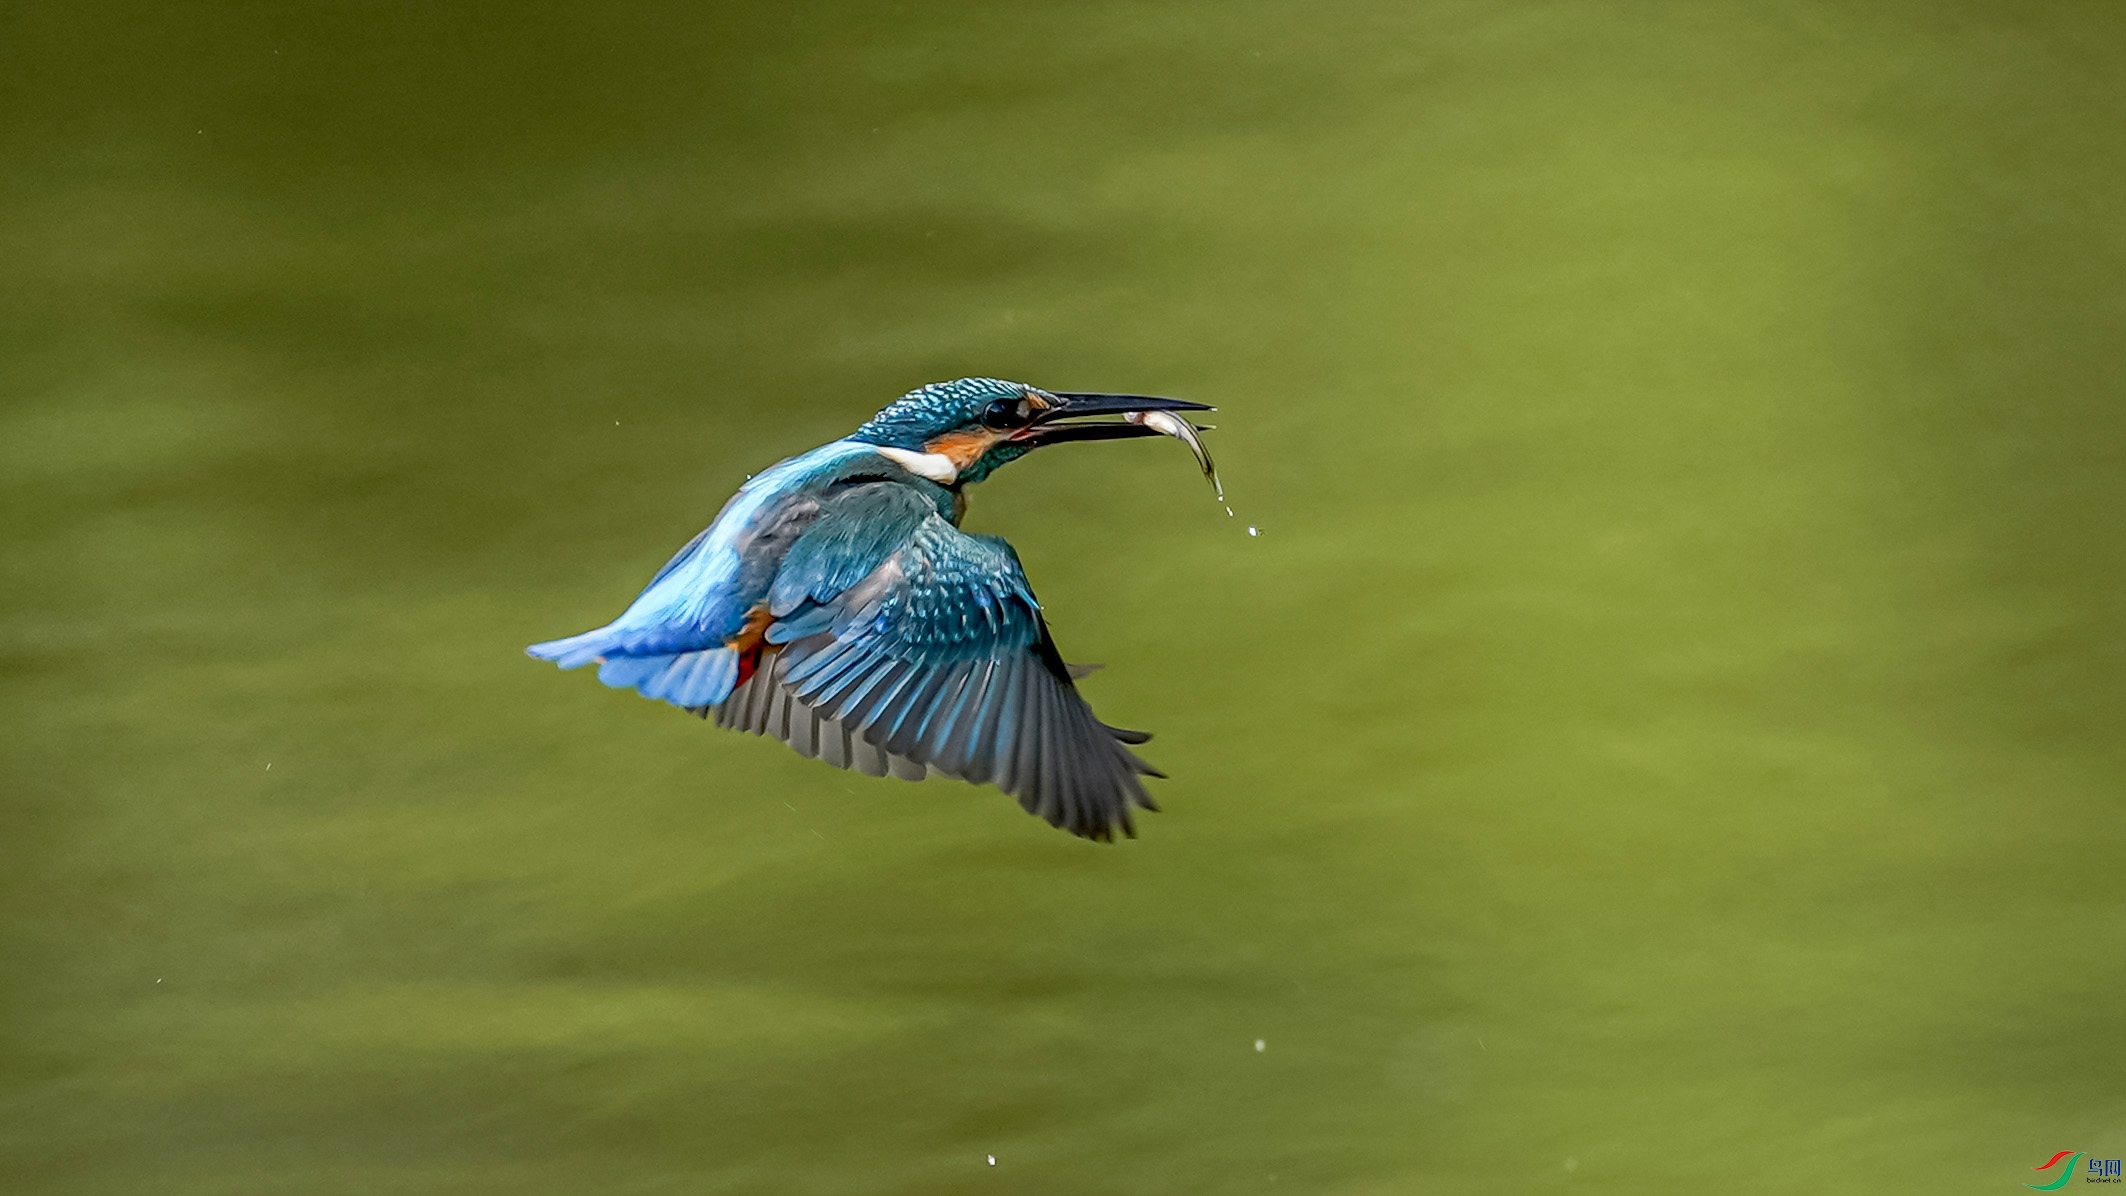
{"type": "Point", "coordinates": [1048, 426]}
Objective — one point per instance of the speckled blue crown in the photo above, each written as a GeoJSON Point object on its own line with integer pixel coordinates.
{"type": "Point", "coordinates": [921, 413]}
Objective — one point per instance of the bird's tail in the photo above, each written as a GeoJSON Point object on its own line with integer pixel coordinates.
{"type": "Point", "coordinates": [685, 679]}
{"type": "Point", "coordinates": [575, 651]}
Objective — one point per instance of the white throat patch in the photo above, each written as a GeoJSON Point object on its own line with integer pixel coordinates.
{"type": "Point", "coordinates": [936, 466]}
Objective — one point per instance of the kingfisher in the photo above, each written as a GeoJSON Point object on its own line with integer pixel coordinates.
{"type": "Point", "coordinates": [836, 605]}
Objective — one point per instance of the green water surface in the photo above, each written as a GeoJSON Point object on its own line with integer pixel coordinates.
{"type": "Point", "coordinates": [1668, 735]}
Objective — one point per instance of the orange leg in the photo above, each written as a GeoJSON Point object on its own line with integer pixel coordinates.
{"type": "Point", "coordinates": [750, 641]}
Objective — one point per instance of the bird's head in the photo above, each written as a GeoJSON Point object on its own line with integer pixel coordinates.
{"type": "Point", "coordinates": [961, 431]}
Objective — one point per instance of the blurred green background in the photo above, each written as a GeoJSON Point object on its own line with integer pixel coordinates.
{"type": "Point", "coordinates": [1668, 734]}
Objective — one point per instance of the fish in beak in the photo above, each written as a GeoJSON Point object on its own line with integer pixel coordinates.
{"type": "Point", "coordinates": [1142, 415]}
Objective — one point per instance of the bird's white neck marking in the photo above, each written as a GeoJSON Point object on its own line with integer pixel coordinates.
{"type": "Point", "coordinates": [936, 466]}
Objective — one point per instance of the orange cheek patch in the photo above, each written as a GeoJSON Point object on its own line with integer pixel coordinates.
{"type": "Point", "coordinates": [962, 448]}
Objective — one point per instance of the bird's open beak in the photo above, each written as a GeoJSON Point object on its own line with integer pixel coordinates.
{"type": "Point", "coordinates": [1049, 426]}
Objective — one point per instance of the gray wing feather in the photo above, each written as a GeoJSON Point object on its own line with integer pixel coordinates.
{"type": "Point", "coordinates": [765, 706]}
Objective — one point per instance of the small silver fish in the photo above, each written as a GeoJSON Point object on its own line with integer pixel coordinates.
{"type": "Point", "coordinates": [1166, 423]}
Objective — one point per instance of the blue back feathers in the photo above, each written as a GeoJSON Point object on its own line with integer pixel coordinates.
{"type": "Point", "coordinates": [669, 643]}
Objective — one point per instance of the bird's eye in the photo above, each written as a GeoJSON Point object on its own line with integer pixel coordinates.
{"type": "Point", "coordinates": [1006, 413]}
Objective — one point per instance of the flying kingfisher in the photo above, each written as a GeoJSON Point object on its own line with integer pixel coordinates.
{"type": "Point", "coordinates": [836, 605]}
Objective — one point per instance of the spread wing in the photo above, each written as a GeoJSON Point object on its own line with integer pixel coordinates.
{"type": "Point", "coordinates": [930, 653]}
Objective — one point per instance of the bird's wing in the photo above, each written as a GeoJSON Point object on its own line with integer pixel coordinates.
{"type": "Point", "coordinates": [763, 705]}
{"type": "Point", "coordinates": [930, 652]}
{"type": "Point", "coordinates": [691, 635]}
